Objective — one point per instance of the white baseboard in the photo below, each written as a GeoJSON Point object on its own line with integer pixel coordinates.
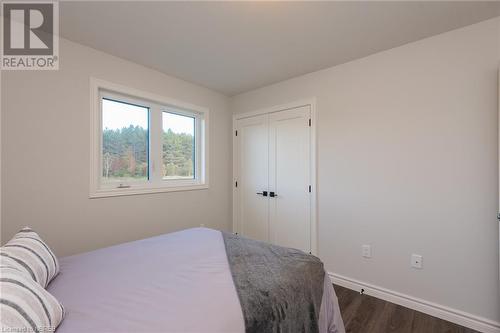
{"type": "Point", "coordinates": [455, 316]}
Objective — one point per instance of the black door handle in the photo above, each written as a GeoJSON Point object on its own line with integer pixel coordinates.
{"type": "Point", "coordinates": [263, 193]}
{"type": "Point", "coordinates": [272, 194]}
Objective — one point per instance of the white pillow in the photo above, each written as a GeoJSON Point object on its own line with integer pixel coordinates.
{"type": "Point", "coordinates": [24, 305]}
{"type": "Point", "coordinates": [27, 252]}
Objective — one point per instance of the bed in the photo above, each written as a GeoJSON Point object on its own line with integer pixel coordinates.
{"type": "Point", "coordinates": [177, 282]}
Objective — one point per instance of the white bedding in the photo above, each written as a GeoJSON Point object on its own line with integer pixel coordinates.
{"type": "Point", "coordinates": [178, 282]}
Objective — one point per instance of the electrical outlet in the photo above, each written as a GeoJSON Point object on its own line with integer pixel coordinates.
{"type": "Point", "coordinates": [366, 251]}
{"type": "Point", "coordinates": [416, 261]}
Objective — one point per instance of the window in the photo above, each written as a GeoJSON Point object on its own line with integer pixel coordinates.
{"type": "Point", "coordinates": [178, 146]}
{"type": "Point", "coordinates": [125, 142]}
{"type": "Point", "coordinates": [144, 143]}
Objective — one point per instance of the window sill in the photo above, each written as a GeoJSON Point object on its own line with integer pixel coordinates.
{"type": "Point", "coordinates": [117, 192]}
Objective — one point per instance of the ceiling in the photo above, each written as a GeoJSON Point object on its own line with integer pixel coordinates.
{"type": "Point", "coordinates": [233, 47]}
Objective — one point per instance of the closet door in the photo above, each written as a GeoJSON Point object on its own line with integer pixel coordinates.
{"type": "Point", "coordinates": [253, 168]}
{"type": "Point", "coordinates": [290, 178]}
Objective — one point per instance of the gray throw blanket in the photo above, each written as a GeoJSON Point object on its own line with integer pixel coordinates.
{"type": "Point", "coordinates": [280, 289]}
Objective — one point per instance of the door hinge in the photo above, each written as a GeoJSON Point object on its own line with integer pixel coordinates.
{"type": "Point", "coordinates": [236, 133]}
{"type": "Point", "coordinates": [309, 122]}
{"type": "Point", "coordinates": [309, 188]}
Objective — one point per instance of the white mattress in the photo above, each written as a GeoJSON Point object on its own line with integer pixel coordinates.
{"type": "Point", "coordinates": [178, 282]}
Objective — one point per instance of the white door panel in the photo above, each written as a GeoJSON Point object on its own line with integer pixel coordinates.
{"type": "Point", "coordinates": [273, 154]}
{"type": "Point", "coordinates": [253, 138]}
{"type": "Point", "coordinates": [289, 178]}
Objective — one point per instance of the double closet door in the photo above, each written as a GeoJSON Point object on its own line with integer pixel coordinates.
{"type": "Point", "coordinates": [273, 175]}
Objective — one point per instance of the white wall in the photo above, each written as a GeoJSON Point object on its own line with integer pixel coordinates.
{"type": "Point", "coordinates": [46, 135]}
{"type": "Point", "coordinates": [407, 162]}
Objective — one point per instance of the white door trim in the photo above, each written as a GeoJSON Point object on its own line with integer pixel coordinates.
{"type": "Point", "coordinates": [311, 102]}
{"type": "Point", "coordinates": [498, 157]}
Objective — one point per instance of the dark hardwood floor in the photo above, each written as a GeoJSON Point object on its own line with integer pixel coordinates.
{"type": "Point", "coordinates": [367, 314]}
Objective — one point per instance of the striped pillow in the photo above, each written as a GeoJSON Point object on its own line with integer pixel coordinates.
{"type": "Point", "coordinates": [24, 305]}
{"type": "Point", "coordinates": [28, 253]}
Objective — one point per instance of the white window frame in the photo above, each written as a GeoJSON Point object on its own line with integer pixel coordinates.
{"type": "Point", "coordinates": [100, 89]}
